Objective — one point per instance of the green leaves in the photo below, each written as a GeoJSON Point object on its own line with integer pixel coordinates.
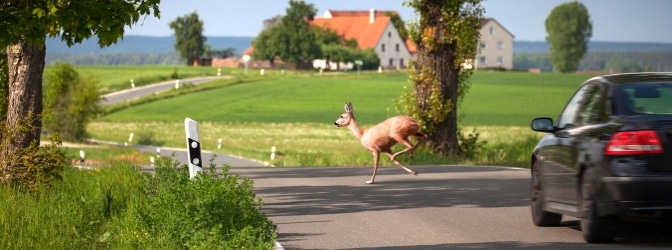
{"type": "Point", "coordinates": [569, 29]}
{"type": "Point", "coordinates": [189, 39]}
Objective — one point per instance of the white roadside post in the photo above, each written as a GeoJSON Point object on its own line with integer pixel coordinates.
{"type": "Point", "coordinates": [177, 84]}
{"type": "Point", "coordinates": [81, 158]}
{"type": "Point", "coordinates": [132, 84]}
{"type": "Point", "coordinates": [246, 59]}
{"type": "Point", "coordinates": [219, 143]}
{"type": "Point", "coordinates": [193, 147]}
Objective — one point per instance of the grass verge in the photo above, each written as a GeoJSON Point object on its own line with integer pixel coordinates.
{"type": "Point", "coordinates": [119, 207]}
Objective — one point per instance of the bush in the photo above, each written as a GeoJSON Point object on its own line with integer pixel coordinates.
{"type": "Point", "coordinates": [120, 207]}
{"type": "Point", "coordinates": [34, 167]}
{"type": "Point", "coordinates": [71, 102]}
{"type": "Point", "coordinates": [210, 211]}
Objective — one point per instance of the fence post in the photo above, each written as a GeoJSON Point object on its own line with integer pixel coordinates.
{"type": "Point", "coordinates": [193, 147]}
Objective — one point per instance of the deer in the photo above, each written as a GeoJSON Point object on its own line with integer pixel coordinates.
{"type": "Point", "coordinates": [382, 136]}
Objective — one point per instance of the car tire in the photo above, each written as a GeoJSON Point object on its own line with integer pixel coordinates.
{"type": "Point", "coordinates": [541, 217]}
{"type": "Point", "coordinates": [595, 228]}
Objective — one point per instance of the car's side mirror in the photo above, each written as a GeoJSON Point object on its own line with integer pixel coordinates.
{"type": "Point", "coordinates": [543, 124]}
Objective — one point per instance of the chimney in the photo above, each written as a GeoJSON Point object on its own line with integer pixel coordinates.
{"type": "Point", "coordinates": [372, 15]}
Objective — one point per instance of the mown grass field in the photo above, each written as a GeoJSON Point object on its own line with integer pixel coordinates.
{"type": "Point", "coordinates": [296, 114]}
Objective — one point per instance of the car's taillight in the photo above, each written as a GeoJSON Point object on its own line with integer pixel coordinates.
{"type": "Point", "coordinates": [634, 143]}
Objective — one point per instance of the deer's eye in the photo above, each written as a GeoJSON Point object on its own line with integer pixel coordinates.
{"type": "Point", "coordinates": [341, 116]}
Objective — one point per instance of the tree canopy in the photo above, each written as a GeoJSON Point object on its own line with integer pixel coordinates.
{"type": "Point", "coordinates": [289, 37]}
{"type": "Point", "coordinates": [25, 26]}
{"type": "Point", "coordinates": [189, 39]}
{"type": "Point", "coordinates": [569, 29]}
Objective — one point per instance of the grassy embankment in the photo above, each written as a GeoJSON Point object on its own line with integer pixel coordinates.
{"type": "Point", "coordinates": [296, 113]}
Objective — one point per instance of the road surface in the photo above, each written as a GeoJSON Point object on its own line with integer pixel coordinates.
{"type": "Point", "coordinates": [444, 207]}
{"type": "Point", "coordinates": [134, 93]}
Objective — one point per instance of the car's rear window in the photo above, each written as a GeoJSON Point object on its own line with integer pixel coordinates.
{"type": "Point", "coordinates": [646, 98]}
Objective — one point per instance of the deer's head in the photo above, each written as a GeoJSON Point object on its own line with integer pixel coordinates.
{"type": "Point", "coordinates": [346, 117]}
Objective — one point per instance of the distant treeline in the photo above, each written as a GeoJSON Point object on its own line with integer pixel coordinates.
{"type": "Point", "coordinates": [116, 59]}
{"type": "Point", "coordinates": [602, 61]}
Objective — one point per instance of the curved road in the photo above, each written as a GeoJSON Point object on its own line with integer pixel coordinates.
{"type": "Point", "coordinates": [180, 154]}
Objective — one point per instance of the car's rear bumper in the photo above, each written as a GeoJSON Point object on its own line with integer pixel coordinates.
{"type": "Point", "coordinates": [620, 195]}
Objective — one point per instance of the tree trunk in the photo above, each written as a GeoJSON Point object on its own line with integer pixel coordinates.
{"type": "Point", "coordinates": [24, 109]}
{"type": "Point", "coordinates": [440, 57]}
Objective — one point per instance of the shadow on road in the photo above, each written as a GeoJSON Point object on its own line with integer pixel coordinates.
{"type": "Point", "coordinates": [328, 191]}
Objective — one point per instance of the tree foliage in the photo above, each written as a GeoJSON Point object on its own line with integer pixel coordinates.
{"type": "Point", "coordinates": [290, 38]}
{"type": "Point", "coordinates": [189, 39]}
{"type": "Point", "coordinates": [569, 29]}
{"type": "Point", "coordinates": [70, 101]}
{"type": "Point", "coordinates": [25, 26]}
{"type": "Point", "coordinates": [446, 35]}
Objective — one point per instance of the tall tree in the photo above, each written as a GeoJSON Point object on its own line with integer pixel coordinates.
{"type": "Point", "coordinates": [265, 44]}
{"type": "Point", "coordinates": [189, 39]}
{"type": "Point", "coordinates": [25, 26]}
{"type": "Point", "coordinates": [569, 29]}
{"type": "Point", "coordinates": [297, 42]}
{"type": "Point", "coordinates": [446, 35]}
{"type": "Point", "coordinates": [289, 37]}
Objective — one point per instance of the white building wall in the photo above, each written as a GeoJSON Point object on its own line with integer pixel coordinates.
{"type": "Point", "coordinates": [495, 47]}
{"type": "Point", "coordinates": [395, 54]}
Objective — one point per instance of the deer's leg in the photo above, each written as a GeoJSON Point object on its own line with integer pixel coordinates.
{"type": "Point", "coordinates": [376, 157]}
{"type": "Point", "coordinates": [396, 162]}
{"type": "Point", "coordinates": [421, 138]}
{"type": "Point", "coordinates": [409, 147]}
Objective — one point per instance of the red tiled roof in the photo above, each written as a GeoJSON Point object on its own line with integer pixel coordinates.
{"type": "Point", "coordinates": [248, 51]}
{"type": "Point", "coordinates": [357, 27]}
{"type": "Point", "coordinates": [360, 13]}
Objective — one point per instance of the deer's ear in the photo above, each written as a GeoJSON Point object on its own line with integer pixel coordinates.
{"type": "Point", "coordinates": [348, 107]}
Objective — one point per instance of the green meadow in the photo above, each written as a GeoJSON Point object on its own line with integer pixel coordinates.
{"type": "Point", "coordinates": [296, 114]}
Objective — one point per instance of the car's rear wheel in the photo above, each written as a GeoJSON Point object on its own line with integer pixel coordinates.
{"type": "Point", "coordinates": [595, 228]}
{"type": "Point", "coordinates": [540, 216]}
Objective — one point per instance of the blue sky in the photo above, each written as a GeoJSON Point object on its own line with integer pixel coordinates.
{"type": "Point", "coordinates": [613, 20]}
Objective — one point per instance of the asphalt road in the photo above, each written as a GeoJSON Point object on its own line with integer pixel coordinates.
{"type": "Point", "coordinates": [130, 94]}
{"type": "Point", "coordinates": [444, 207]}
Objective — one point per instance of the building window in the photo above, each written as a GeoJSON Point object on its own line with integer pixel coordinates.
{"type": "Point", "coordinates": [500, 45]}
{"type": "Point", "coordinates": [483, 45]}
{"type": "Point", "coordinates": [401, 63]}
{"type": "Point", "coordinates": [383, 48]}
{"type": "Point", "coordinates": [391, 62]}
{"type": "Point", "coordinates": [492, 30]}
{"type": "Point", "coordinates": [500, 60]}
{"type": "Point", "coordinates": [396, 47]}
{"type": "Point", "coordinates": [482, 60]}
{"type": "Point", "coordinates": [389, 34]}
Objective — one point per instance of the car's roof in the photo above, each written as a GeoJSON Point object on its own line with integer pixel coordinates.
{"type": "Point", "coordinates": [636, 77]}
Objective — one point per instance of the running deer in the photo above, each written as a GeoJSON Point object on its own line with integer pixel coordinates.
{"type": "Point", "coordinates": [381, 137]}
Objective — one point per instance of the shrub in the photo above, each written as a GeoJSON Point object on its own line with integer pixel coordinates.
{"type": "Point", "coordinates": [210, 211]}
{"type": "Point", "coordinates": [32, 167]}
{"type": "Point", "coordinates": [71, 100]}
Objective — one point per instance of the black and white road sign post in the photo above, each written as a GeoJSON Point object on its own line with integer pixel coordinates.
{"type": "Point", "coordinates": [193, 147]}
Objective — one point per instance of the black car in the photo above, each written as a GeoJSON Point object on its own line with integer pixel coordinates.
{"type": "Point", "coordinates": [608, 157]}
